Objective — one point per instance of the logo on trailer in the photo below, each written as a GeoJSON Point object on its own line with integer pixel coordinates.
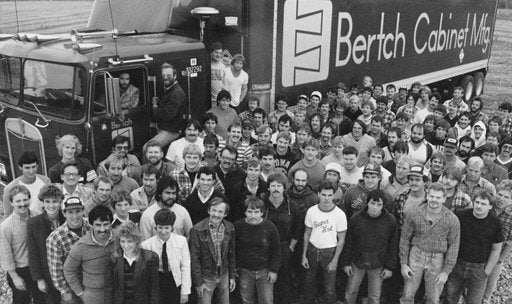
{"type": "Point", "coordinates": [306, 41]}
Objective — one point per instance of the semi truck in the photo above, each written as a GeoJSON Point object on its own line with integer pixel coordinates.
{"type": "Point", "coordinates": [57, 84]}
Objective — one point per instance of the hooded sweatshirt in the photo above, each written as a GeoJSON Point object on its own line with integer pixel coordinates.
{"type": "Point", "coordinates": [302, 200]}
{"type": "Point", "coordinates": [481, 140]}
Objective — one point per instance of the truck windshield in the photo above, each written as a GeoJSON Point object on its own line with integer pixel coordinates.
{"type": "Point", "coordinates": [55, 89]}
{"type": "Point", "coordinates": [10, 80]}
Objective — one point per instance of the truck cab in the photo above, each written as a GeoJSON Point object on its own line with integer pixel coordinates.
{"type": "Point", "coordinates": [52, 85]}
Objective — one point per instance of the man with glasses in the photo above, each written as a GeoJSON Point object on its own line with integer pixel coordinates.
{"type": "Point", "coordinates": [71, 187]}
{"type": "Point", "coordinates": [121, 146]}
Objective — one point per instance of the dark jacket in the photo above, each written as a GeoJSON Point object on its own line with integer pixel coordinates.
{"type": "Point", "coordinates": [238, 193]}
{"type": "Point", "coordinates": [196, 208]}
{"type": "Point", "coordinates": [38, 229]}
{"type": "Point", "coordinates": [146, 288]}
{"type": "Point", "coordinates": [203, 258]}
{"type": "Point", "coordinates": [371, 242]}
{"type": "Point", "coordinates": [354, 199]}
{"type": "Point", "coordinates": [171, 110]}
{"type": "Point", "coordinates": [287, 219]}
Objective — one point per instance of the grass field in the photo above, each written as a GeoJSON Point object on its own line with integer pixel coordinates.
{"type": "Point", "coordinates": [62, 16]}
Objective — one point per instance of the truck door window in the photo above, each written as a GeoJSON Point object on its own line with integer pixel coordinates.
{"type": "Point", "coordinates": [55, 89]}
{"type": "Point", "coordinates": [10, 79]}
{"type": "Point", "coordinates": [131, 88]}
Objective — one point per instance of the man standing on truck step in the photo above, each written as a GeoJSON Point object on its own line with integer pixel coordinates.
{"type": "Point", "coordinates": [170, 109]}
{"type": "Point", "coordinates": [236, 80]}
{"type": "Point", "coordinates": [218, 70]}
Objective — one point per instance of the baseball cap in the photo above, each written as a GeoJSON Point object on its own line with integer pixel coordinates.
{"type": "Point", "coordinates": [72, 202]}
{"type": "Point", "coordinates": [316, 93]}
{"type": "Point", "coordinates": [382, 99]}
{"type": "Point", "coordinates": [416, 171]}
{"type": "Point", "coordinates": [247, 123]}
{"type": "Point", "coordinates": [451, 141]}
{"type": "Point", "coordinates": [371, 168]}
{"type": "Point", "coordinates": [333, 167]}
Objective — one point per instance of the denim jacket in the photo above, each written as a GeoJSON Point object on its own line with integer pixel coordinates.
{"type": "Point", "coordinates": [203, 256]}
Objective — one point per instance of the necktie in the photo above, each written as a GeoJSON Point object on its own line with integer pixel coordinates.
{"type": "Point", "coordinates": [165, 260]}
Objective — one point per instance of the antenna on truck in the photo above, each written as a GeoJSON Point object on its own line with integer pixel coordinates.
{"type": "Point", "coordinates": [17, 21]}
{"type": "Point", "coordinates": [204, 13]}
{"type": "Point", "coordinates": [113, 26]}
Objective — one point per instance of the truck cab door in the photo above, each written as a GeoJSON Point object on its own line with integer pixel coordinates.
{"type": "Point", "coordinates": [120, 106]}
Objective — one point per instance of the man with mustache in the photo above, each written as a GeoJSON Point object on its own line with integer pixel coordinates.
{"type": "Point", "coordinates": [419, 149]}
{"type": "Point", "coordinates": [129, 93]}
{"type": "Point", "coordinates": [87, 261]}
{"type": "Point", "coordinates": [166, 196]}
{"type": "Point", "coordinates": [213, 270]}
{"type": "Point", "coordinates": [144, 196]}
{"type": "Point", "coordinates": [154, 157]}
{"type": "Point", "coordinates": [14, 257]}
{"type": "Point", "coordinates": [466, 146]}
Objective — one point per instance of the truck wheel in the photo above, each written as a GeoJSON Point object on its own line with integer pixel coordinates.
{"type": "Point", "coordinates": [468, 84]}
{"type": "Point", "coordinates": [479, 79]}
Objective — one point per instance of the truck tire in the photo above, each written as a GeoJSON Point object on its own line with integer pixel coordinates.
{"type": "Point", "coordinates": [479, 80]}
{"type": "Point", "coordinates": [468, 84]}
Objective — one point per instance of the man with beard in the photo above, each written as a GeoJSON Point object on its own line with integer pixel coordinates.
{"type": "Point", "coordinates": [170, 109]}
{"type": "Point", "coordinates": [197, 202]}
{"type": "Point", "coordinates": [456, 200]}
{"type": "Point", "coordinates": [227, 171]}
{"type": "Point", "coordinates": [186, 176]}
{"type": "Point", "coordinates": [285, 158]}
{"type": "Point", "coordinates": [129, 93]}
{"type": "Point", "coordinates": [263, 136]}
{"type": "Point", "coordinates": [310, 163]}
{"type": "Point", "coordinates": [154, 157]}
{"type": "Point", "coordinates": [121, 146]}
{"type": "Point", "coordinates": [285, 215]}
{"type": "Point", "coordinates": [59, 243]}
{"type": "Point", "coordinates": [144, 196]}
{"type": "Point", "coordinates": [466, 146]}
{"type": "Point", "coordinates": [325, 142]}
{"type": "Point", "coordinates": [503, 210]}
{"type": "Point", "coordinates": [87, 261]}
{"type": "Point", "coordinates": [419, 150]}
{"type": "Point", "coordinates": [166, 196]}
{"type": "Point", "coordinates": [101, 196]}
{"type": "Point", "coordinates": [475, 111]}
{"type": "Point", "coordinates": [175, 151]}
{"type": "Point", "coordinates": [213, 271]}
{"type": "Point", "coordinates": [429, 243]}
{"type": "Point", "coordinates": [115, 165]}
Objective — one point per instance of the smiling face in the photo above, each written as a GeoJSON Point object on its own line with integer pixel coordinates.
{"type": "Point", "coordinates": [168, 76]}
{"type": "Point", "coordinates": [191, 133]}
{"type": "Point", "coordinates": [149, 182]}
{"type": "Point", "coordinates": [51, 206]}
{"type": "Point", "coordinates": [227, 159]}
{"type": "Point", "coordinates": [375, 207]}
{"type": "Point", "coordinates": [192, 161]}
{"type": "Point", "coordinates": [276, 189]}
{"type": "Point", "coordinates": [224, 103]}
{"type": "Point", "coordinates": [68, 151]}
{"type": "Point", "coordinates": [122, 208]}
{"type": "Point", "coordinates": [128, 245]}
{"type": "Point", "coordinates": [235, 134]}
{"type": "Point", "coordinates": [29, 171]}
{"type": "Point", "coordinates": [205, 182]}
{"type": "Point", "coordinates": [70, 176]}
{"type": "Point", "coordinates": [20, 203]}
{"type": "Point", "coordinates": [217, 213]}
{"type": "Point", "coordinates": [435, 200]}
{"type": "Point", "coordinates": [154, 155]}
{"type": "Point", "coordinates": [103, 191]}
{"type": "Point", "coordinates": [115, 172]}
{"type": "Point", "coordinates": [74, 217]}
{"type": "Point", "coordinates": [449, 182]}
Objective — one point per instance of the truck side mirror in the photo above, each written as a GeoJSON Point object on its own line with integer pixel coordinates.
{"type": "Point", "coordinates": [113, 95]}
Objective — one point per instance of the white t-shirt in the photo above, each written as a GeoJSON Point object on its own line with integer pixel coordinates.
{"type": "Point", "coordinates": [351, 178]}
{"type": "Point", "coordinates": [420, 115]}
{"type": "Point", "coordinates": [36, 206]}
{"type": "Point", "coordinates": [234, 85]}
{"type": "Point", "coordinates": [419, 155]}
{"type": "Point", "coordinates": [325, 226]}
{"type": "Point", "coordinates": [175, 151]}
{"type": "Point", "coordinates": [218, 70]}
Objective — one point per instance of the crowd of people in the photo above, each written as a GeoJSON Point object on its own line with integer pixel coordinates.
{"type": "Point", "coordinates": [401, 192]}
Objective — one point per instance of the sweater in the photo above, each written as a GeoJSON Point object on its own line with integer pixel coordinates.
{"type": "Point", "coordinates": [258, 246]}
{"type": "Point", "coordinates": [87, 263]}
{"type": "Point", "coordinates": [371, 242]}
{"type": "Point", "coordinates": [196, 208]}
{"type": "Point", "coordinates": [315, 172]}
{"type": "Point", "coordinates": [363, 145]}
{"type": "Point", "coordinates": [226, 118]}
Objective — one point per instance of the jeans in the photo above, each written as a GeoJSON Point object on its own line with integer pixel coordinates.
{"type": "Point", "coordinates": [31, 293]}
{"type": "Point", "coordinates": [220, 284]}
{"type": "Point", "coordinates": [255, 283]}
{"type": "Point", "coordinates": [374, 285]}
{"type": "Point", "coordinates": [424, 265]}
{"type": "Point", "coordinates": [492, 280]}
{"type": "Point", "coordinates": [283, 286]}
{"type": "Point", "coordinates": [469, 276]}
{"type": "Point", "coordinates": [318, 260]}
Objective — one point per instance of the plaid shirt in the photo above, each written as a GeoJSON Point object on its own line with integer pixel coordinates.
{"type": "Point", "coordinates": [58, 245]}
{"type": "Point", "coordinates": [480, 186]}
{"type": "Point", "coordinates": [506, 222]}
{"type": "Point", "coordinates": [217, 237]}
{"type": "Point", "coordinates": [398, 207]}
{"type": "Point", "coordinates": [506, 128]}
{"type": "Point", "coordinates": [443, 236]}
{"type": "Point", "coordinates": [244, 152]}
{"type": "Point", "coordinates": [388, 117]}
{"type": "Point", "coordinates": [461, 201]}
{"type": "Point", "coordinates": [185, 184]}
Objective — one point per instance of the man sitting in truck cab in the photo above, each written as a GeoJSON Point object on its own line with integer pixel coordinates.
{"type": "Point", "coordinates": [129, 93]}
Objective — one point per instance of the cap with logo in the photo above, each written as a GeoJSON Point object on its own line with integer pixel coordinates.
{"type": "Point", "coordinates": [416, 171]}
{"type": "Point", "coordinates": [372, 168]}
{"type": "Point", "coordinates": [247, 123]}
{"type": "Point", "coordinates": [451, 141]}
{"type": "Point", "coordinates": [333, 167]}
{"type": "Point", "coordinates": [72, 202]}
{"type": "Point", "coordinates": [317, 94]}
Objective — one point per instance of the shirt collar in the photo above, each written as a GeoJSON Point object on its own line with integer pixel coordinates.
{"type": "Point", "coordinates": [205, 198]}
{"type": "Point", "coordinates": [115, 217]}
{"type": "Point", "coordinates": [211, 226]}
